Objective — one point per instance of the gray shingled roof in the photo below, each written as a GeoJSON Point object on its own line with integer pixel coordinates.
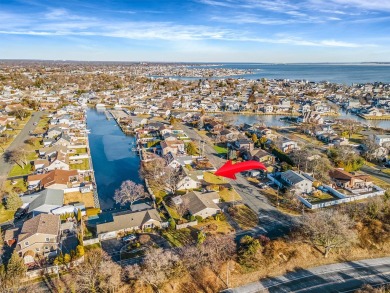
{"type": "Point", "coordinates": [127, 219]}
{"type": "Point", "coordinates": [41, 224]}
{"type": "Point", "coordinates": [199, 201]}
{"type": "Point", "coordinates": [293, 177]}
{"type": "Point", "coordinates": [45, 197]}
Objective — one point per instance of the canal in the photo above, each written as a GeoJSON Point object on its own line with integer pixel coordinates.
{"type": "Point", "coordinates": [112, 158]}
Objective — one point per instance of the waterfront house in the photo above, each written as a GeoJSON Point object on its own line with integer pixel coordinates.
{"type": "Point", "coordinates": [56, 179]}
{"type": "Point", "coordinates": [382, 140]}
{"type": "Point", "coordinates": [112, 225]}
{"type": "Point", "coordinates": [268, 108]}
{"type": "Point", "coordinates": [136, 122]}
{"type": "Point", "coordinates": [39, 236]}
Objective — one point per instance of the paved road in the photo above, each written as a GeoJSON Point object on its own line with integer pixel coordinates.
{"type": "Point", "coordinates": [376, 173]}
{"type": "Point", "coordinates": [342, 277]}
{"type": "Point", "coordinates": [6, 167]}
{"type": "Point", "coordinates": [272, 222]}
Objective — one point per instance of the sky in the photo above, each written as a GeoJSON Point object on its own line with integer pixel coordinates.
{"type": "Point", "coordinates": [286, 31]}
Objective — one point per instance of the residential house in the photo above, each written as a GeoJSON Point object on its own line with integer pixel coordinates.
{"type": "Point", "coordinates": [268, 108]}
{"type": "Point", "coordinates": [214, 126]}
{"type": "Point", "coordinates": [202, 204]}
{"type": "Point", "coordinates": [172, 145]}
{"type": "Point", "coordinates": [136, 122]}
{"type": "Point", "coordinates": [244, 143]}
{"type": "Point", "coordinates": [348, 180]}
{"type": "Point", "coordinates": [190, 179]}
{"type": "Point", "coordinates": [111, 225]}
{"type": "Point", "coordinates": [56, 179]}
{"type": "Point", "coordinates": [44, 201]}
{"type": "Point", "coordinates": [39, 236]}
{"type": "Point", "coordinates": [287, 145]}
{"type": "Point", "coordinates": [296, 181]}
{"type": "Point", "coordinates": [382, 140]}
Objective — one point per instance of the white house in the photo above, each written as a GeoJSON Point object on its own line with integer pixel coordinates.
{"type": "Point", "coordinates": [382, 139]}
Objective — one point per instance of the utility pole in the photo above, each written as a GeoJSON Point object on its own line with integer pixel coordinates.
{"type": "Point", "coordinates": [227, 275]}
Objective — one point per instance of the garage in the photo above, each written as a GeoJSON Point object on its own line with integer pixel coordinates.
{"type": "Point", "coordinates": [108, 235]}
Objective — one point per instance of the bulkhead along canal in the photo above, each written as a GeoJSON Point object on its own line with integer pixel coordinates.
{"type": "Point", "coordinates": [112, 158]}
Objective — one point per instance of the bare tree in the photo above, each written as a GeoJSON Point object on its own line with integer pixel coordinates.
{"type": "Point", "coordinates": [172, 178]}
{"type": "Point", "coordinates": [328, 229]}
{"type": "Point", "coordinates": [14, 156]}
{"type": "Point", "coordinates": [372, 151]}
{"type": "Point", "coordinates": [129, 192]}
{"type": "Point", "coordinates": [219, 249]}
{"type": "Point", "coordinates": [97, 273]}
{"type": "Point", "coordinates": [182, 208]}
{"type": "Point", "coordinates": [158, 267]}
{"type": "Point", "coordinates": [153, 172]}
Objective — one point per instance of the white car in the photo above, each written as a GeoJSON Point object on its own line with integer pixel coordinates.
{"type": "Point", "coordinates": [129, 238]}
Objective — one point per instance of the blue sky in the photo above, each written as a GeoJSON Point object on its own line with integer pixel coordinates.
{"type": "Point", "coordinates": [197, 30]}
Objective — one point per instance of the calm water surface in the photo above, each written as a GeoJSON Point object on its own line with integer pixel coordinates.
{"type": "Point", "coordinates": [112, 158]}
{"type": "Point", "coordinates": [337, 73]}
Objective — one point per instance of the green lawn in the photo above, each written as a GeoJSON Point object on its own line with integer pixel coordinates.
{"type": "Point", "coordinates": [220, 150]}
{"type": "Point", "coordinates": [173, 212]}
{"type": "Point", "coordinates": [215, 227]}
{"type": "Point", "coordinates": [19, 171]}
{"type": "Point", "coordinates": [178, 238]}
{"type": "Point", "coordinates": [229, 195]}
{"type": "Point", "coordinates": [81, 151]}
{"type": "Point", "coordinates": [357, 138]}
{"type": "Point", "coordinates": [8, 186]}
{"type": "Point", "coordinates": [5, 215]}
{"type": "Point", "coordinates": [387, 171]}
{"type": "Point", "coordinates": [244, 216]}
{"type": "Point", "coordinates": [213, 179]}
{"type": "Point", "coordinates": [82, 166]}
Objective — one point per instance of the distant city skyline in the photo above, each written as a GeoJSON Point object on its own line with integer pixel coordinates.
{"type": "Point", "coordinates": [281, 31]}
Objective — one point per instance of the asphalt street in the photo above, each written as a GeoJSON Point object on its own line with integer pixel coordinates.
{"type": "Point", "coordinates": [342, 277]}
{"type": "Point", "coordinates": [5, 167]}
{"type": "Point", "coordinates": [272, 222]}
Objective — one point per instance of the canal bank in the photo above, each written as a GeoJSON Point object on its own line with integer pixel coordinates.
{"type": "Point", "coordinates": [113, 160]}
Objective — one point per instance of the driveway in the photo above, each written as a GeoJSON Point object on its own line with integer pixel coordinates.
{"type": "Point", "coordinates": [113, 246]}
{"type": "Point", "coordinates": [5, 167]}
{"type": "Point", "coordinates": [272, 222]}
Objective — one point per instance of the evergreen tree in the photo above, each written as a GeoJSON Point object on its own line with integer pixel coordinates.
{"type": "Point", "coordinates": [78, 215]}
{"type": "Point", "coordinates": [16, 270]}
{"type": "Point", "coordinates": [13, 201]}
{"type": "Point", "coordinates": [254, 138]}
{"type": "Point", "coordinates": [191, 148]}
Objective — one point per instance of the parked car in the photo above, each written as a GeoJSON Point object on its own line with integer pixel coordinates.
{"type": "Point", "coordinates": [129, 238]}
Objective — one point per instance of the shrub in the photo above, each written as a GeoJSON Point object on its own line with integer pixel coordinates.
{"type": "Point", "coordinates": [144, 238]}
{"type": "Point", "coordinates": [199, 219]}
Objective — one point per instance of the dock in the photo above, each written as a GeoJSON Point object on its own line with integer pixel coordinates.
{"type": "Point", "coordinates": [108, 115]}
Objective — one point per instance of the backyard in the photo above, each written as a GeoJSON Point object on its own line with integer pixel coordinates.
{"type": "Point", "coordinates": [83, 164]}
{"type": "Point", "coordinates": [243, 216]}
{"type": "Point", "coordinates": [178, 238]}
{"type": "Point", "coordinates": [220, 149]}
